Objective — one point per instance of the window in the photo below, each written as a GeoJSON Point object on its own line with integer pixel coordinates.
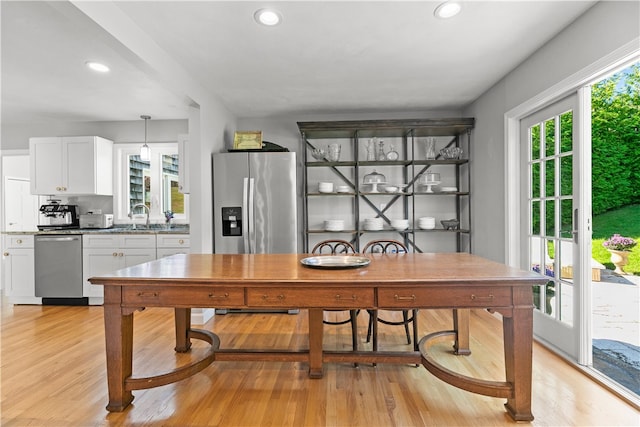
{"type": "Point", "coordinates": [153, 183]}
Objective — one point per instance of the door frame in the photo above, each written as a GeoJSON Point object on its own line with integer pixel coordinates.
{"type": "Point", "coordinates": [627, 53]}
{"type": "Point", "coordinates": [574, 339]}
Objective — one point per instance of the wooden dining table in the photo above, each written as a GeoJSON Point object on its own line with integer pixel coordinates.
{"type": "Point", "coordinates": [458, 281]}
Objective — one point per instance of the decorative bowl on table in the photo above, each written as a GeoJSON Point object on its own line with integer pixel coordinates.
{"type": "Point", "coordinates": [450, 224]}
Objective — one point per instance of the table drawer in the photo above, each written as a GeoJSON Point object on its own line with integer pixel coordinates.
{"type": "Point", "coordinates": [311, 298]}
{"type": "Point", "coordinates": [205, 297]}
{"type": "Point", "coordinates": [485, 297]}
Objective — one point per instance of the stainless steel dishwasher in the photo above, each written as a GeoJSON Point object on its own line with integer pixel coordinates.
{"type": "Point", "coordinates": [58, 262]}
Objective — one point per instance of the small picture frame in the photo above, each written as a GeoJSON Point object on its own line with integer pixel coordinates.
{"type": "Point", "coordinates": [247, 140]}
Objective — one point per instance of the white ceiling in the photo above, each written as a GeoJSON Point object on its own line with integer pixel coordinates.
{"type": "Point", "coordinates": [325, 57]}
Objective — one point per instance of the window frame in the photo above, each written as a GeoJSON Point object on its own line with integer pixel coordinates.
{"type": "Point", "coordinates": [121, 196]}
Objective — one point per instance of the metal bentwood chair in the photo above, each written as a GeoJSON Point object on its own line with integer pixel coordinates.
{"type": "Point", "coordinates": [390, 246]}
{"type": "Point", "coordinates": [336, 247]}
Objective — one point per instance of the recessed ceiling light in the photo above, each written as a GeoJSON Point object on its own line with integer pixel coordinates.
{"type": "Point", "coordinates": [96, 66]}
{"type": "Point", "coordinates": [268, 17]}
{"type": "Point", "coordinates": [448, 9]}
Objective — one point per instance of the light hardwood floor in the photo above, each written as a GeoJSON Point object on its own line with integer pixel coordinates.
{"type": "Point", "coordinates": [53, 374]}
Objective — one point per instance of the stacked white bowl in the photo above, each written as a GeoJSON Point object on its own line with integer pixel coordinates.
{"type": "Point", "coordinates": [427, 223]}
{"type": "Point", "coordinates": [325, 187]}
{"type": "Point", "coordinates": [373, 224]}
{"type": "Point", "coordinates": [334, 225]}
{"type": "Point", "coordinates": [400, 224]}
{"type": "Point", "coordinates": [343, 189]}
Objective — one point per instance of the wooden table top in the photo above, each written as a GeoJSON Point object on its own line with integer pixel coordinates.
{"type": "Point", "coordinates": [285, 269]}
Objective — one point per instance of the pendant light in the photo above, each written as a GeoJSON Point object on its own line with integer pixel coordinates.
{"type": "Point", "coordinates": [145, 151]}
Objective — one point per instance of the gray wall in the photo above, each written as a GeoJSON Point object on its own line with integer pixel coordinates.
{"type": "Point", "coordinates": [601, 30]}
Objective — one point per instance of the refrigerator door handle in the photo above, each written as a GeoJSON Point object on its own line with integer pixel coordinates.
{"type": "Point", "coordinates": [252, 225]}
{"type": "Point", "coordinates": [245, 212]}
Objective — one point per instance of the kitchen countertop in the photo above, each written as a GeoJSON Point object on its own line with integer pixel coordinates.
{"type": "Point", "coordinates": [116, 229]}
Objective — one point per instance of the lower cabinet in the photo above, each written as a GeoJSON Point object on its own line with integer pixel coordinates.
{"type": "Point", "coordinates": [102, 254]}
{"type": "Point", "coordinates": [18, 267]}
{"type": "Point", "coordinates": [172, 244]}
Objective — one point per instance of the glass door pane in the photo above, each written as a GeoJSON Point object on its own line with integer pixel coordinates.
{"type": "Point", "coordinates": [550, 207]}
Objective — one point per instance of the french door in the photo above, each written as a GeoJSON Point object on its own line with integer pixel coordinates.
{"type": "Point", "coordinates": [556, 233]}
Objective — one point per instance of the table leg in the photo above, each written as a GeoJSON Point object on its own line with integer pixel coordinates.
{"type": "Point", "coordinates": [315, 343]}
{"type": "Point", "coordinates": [118, 326]}
{"type": "Point", "coordinates": [461, 326]}
{"type": "Point", "coordinates": [183, 324]}
{"type": "Point", "coordinates": [518, 354]}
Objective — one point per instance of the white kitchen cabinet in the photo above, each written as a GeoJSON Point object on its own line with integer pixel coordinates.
{"type": "Point", "coordinates": [171, 244]}
{"type": "Point", "coordinates": [78, 165]}
{"type": "Point", "coordinates": [18, 267]}
{"type": "Point", "coordinates": [104, 253]}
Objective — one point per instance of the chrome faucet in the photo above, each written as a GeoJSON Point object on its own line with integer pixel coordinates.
{"type": "Point", "coordinates": [146, 208]}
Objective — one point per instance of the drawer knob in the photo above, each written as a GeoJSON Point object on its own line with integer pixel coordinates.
{"type": "Point", "coordinates": [148, 294]}
{"type": "Point", "coordinates": [115, 254]}
{"type": "Point", "coordinates": [6, 254]}
{"type": "Point", "coordinates": [279, 297]}
{"type": "Point", "coordinates": [19, 241]}
{"type": "Point", "coordinates": [225, 295]}
{"type": "Point", "coordinates": [181, 241]}
{"type": "Point", "coordinates": [477, 298]}
{"type": "Point", "coordinates": [401, 298]}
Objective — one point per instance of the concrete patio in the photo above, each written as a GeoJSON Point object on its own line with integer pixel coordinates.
{"type": "Point", "coordinates": [616, 328]}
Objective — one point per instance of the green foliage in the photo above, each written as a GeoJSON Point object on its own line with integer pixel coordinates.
{"type": "Point", "coordinates": [615, 139]}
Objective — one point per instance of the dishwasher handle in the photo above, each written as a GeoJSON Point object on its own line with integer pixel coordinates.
{"type": "Point", "coordinates": [57, 239]}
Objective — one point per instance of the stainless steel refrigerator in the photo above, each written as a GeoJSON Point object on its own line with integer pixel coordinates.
{"type": "Point", "coordinates": [254, 202]}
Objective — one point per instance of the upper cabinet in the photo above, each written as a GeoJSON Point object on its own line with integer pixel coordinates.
{"type": "Point", "coordinates": [78, 165]}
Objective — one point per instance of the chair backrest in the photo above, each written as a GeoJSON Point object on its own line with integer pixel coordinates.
{"type": "Point", "coordinates": [333, 247]}
{"type": "Point", "coordinates": [384, 247]}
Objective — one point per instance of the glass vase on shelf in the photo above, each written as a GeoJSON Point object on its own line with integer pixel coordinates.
{"type": "Point", "coordinates": [371, 149]}
{"type": "Point", "coordinates": [430, 148]}
{"type": "Point", "coordinates": [381, 155]}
